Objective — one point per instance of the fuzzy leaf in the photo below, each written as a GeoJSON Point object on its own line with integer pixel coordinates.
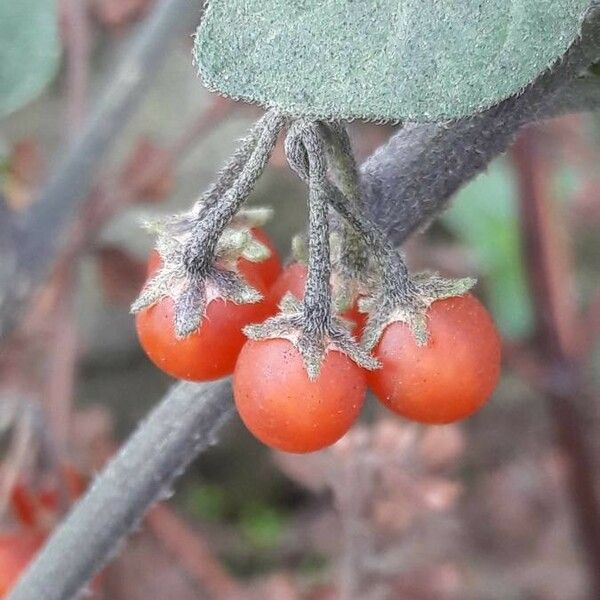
{"type": "Point", "coordinates": [29, 50]}
{"type": "Point", "coordinates": [382, 59]}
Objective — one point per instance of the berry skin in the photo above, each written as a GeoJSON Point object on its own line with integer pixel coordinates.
{"type": "Point", "coordinates": [209, 352]}
{"type": "Point", "coordinates": [293, 279]}
{"type": "Point", "coordinates": [284, 409]}
{"type": "Point", "coordinates": [16, 551]}
{"type": "Point", "coordinates": [449, 378]}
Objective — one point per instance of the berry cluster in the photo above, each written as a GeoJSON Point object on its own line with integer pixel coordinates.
{"type": "Point", "coordinates": [304, 342]}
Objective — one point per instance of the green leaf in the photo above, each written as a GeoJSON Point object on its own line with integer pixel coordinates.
{"type": "Point", "coordinates": [206, 502]}
{"type": "Point", "coordinates": [484, 216]}
{"type": "Point", "coordinates": [261, 525]}
{"type": "Point", "coordinates": [382, 59]}
{"type": "Point", "coordinates": [29, 50]}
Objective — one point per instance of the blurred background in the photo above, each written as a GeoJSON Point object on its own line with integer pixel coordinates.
{"type": "Point", "coordinates": [502, 507]}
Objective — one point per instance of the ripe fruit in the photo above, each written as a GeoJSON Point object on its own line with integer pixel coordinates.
{"type": "Point", "coordinates": [211, 351]}
{"type": "Point", "coordinates": [283, 408]}
{"type": "Point", "coordinates": [208, 353]}
{"type": "Point", "coordinates": [293, 279]}
{"type": "Point", "coordinates": [449, 378]}
{"type": "Point", "coordinates": [16, 551]}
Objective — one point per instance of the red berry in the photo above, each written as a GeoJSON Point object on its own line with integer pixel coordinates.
{"type": "Point", "coordinates": [283, 408]}
{"type": "Point", "coordinates": [449, 378]}
{"type": "Point", "coordinates": [16, 551]}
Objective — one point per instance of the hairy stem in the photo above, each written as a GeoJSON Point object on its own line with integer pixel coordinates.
{"type": "Point", "coordinates": [317, 292]}
{"type": "Point", "coordinates": [341, 155]}
{"type": "Point", "coordinates": [354, 259]}
{"type": "Point", "coordinates": [200, 252]}
{"type": "Point", "coordinates": [183, 425]}
{"type": "Point", "coordinates": [307, 157]}
{"type": "Point", "coordinates": [394, 273]}
{"type": "Point", "coordinates": [231, 172]}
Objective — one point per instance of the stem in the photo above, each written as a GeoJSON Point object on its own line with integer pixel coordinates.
{"type": "Point", "coordinates": [144, 470]}
{"type": "Point", "coordinates": [200, 252]}
{"type": "Point", "coordinates": [393, 270]}
{"type": "Point", "coordinates": [317, 292]}
{"type": "Point", "coordinates": [342, 156]}
{"type": "Point", "coordinates": [354, 260]}
{"type": "Point", "coordinates": [62, 365]}
{"type": "Point", "coordinates": [306, 155]}
{"type": "Point", "coordinates": [549, 276]}
{"type": "Point", "coordinates": [305, 151]}
{"type": "Point", "coordinates": [231, 172]}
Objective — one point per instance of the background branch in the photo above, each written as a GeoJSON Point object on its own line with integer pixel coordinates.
{"type": "Point", "coordinates": [77, 34]}
{"type": "Point", "coordinates": [38, 236]}
{"type": "Point", "coordinates": [558, 340]}
{"type": "Point", "coordinates": [186, 422]}
{"type": "Point", "coordinates": [193, 553]}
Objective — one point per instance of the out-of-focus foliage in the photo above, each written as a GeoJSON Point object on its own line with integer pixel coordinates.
{"type": "Point", "coordinates": [484, 216]}
{"type": "Point", "coordinates": [29, 50]}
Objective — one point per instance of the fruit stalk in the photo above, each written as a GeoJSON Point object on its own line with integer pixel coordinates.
{"type": "Point", "coordinates": [317, 293]}
{"type": "Point", "coordinates": [200, 251]}
{"type": "Point", "coordinates": [392, 268]}
{"type": "Point", "coordinates": [354, 259]}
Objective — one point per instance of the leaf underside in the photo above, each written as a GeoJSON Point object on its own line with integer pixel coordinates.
{"type": "Point", "coordinates": [382, 59]}
{"type": "Point", "coordinates": [29, 50]}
